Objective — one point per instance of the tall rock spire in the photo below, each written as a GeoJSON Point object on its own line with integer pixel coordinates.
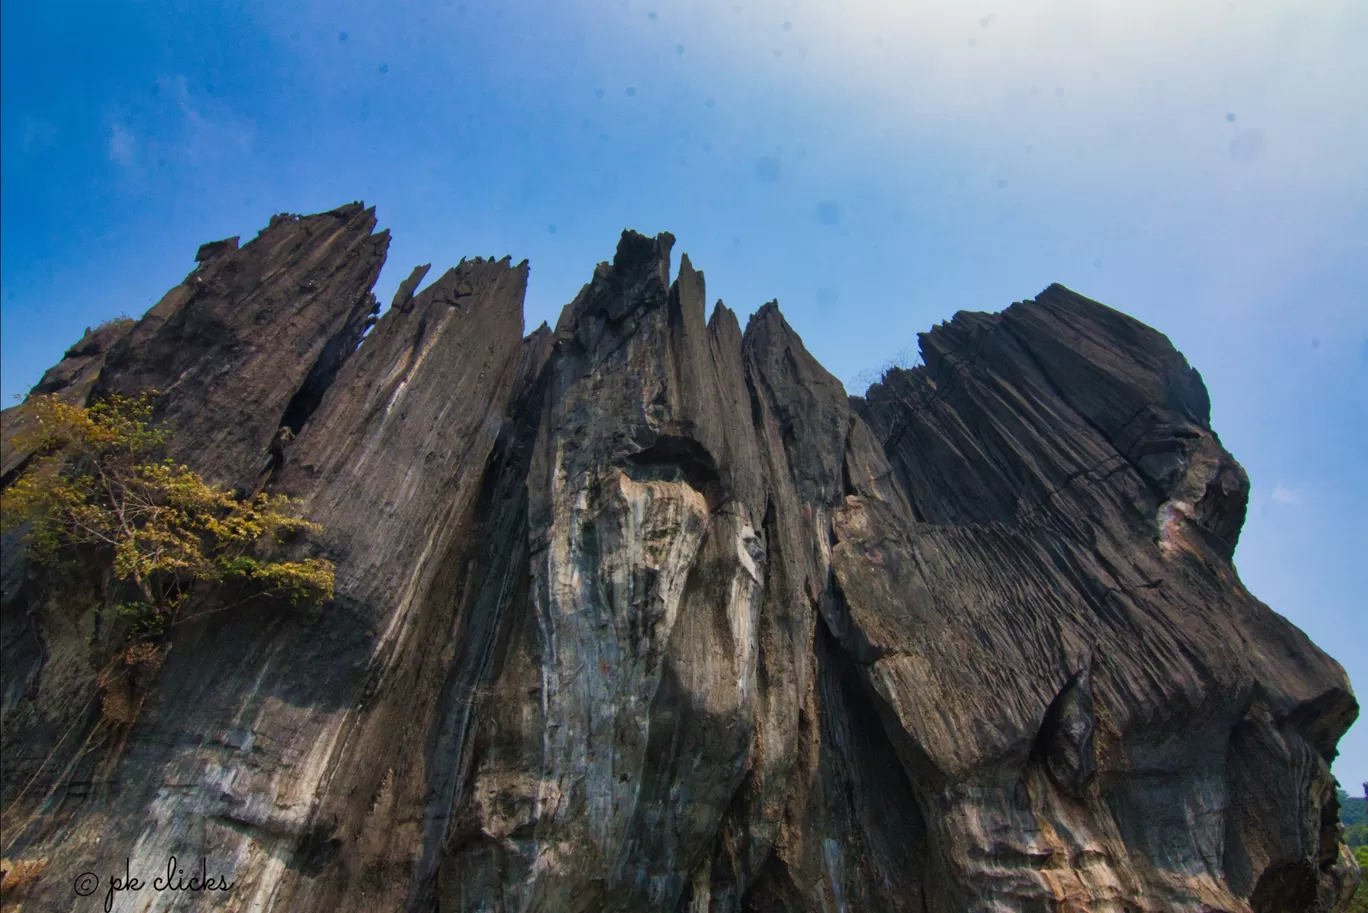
{"type": "Point", "coordinates": [646, 613]}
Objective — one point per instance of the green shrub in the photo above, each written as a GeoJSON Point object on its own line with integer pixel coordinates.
{"type": "Point", "coordinates": [95, 493]}
{"type": "Point", "coordinates": [123, 321]}
{"type": "Point", "coordinates": [1359, 903]}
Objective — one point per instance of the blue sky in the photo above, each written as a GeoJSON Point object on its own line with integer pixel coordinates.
{"type": "Point", "coordinates": [875, 165]}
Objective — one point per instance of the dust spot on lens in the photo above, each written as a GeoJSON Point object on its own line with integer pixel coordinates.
{"type": "Point", "coordinates": [551, 229]}
{"type": "Point", "coordinates": [631, 90]}
{"type": "Point", "coordinates": [341, 36]}
{"type": "Point", "coordinates": [767, 168]}
{"type": "Point", "coordinates": [679, 49]}
{"type": "Point", "coordinates": [1315, 343]}
{"type": "Point", "coordinates": [1230, 118]}
{"type": "Point", "coordinates": [384, 68]}
{"type": "Point", "coordinates": [828, 212]}
{"type": "Point", "coordinates": [1247, 147]}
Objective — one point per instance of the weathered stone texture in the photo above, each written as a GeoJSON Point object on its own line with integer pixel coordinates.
{"type": "Point", "coordinates": [645, 613]}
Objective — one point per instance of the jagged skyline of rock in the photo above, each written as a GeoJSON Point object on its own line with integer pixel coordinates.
{"type": "Point", "coordinates": [644, 612]}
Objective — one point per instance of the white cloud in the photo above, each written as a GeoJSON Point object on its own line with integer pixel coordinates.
{"type": "Point", "coordinates": [122, 145]}
{"type": "Point", "coordinates": [1125, 103]}
{"type": "Point", "coordinates": [1224, 125]}
{"type": "Point", "coordinates": [208, 129]}
{"type": "Point", "coordinates": [182, 128]}
{"type": "Point", "coordinates": [1283, 495]}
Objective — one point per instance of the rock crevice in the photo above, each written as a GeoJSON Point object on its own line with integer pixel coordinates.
{"type": "Point", "coordinates": [644, 612]}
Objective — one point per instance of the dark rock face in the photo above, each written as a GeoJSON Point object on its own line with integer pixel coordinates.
{"type": "Point", "coordinates": [644, 613]}
{"type": "Point", "coordinates": [71, 378]}
{"type": "Point", "coordinates": [250, 340]}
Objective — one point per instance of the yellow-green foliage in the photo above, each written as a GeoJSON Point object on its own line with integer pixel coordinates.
{"type": "Point", "coordinates": [96, 490]}
{"type": "Point", "coordinates": [122, 321]}
{"type": "Point", "coordinates": [1359, 903]}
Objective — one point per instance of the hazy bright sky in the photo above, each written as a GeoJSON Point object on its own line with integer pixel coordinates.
{"type": "Point", "coordinates": [875, 165]}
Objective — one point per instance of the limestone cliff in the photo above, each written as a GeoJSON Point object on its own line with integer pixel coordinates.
{"type": "Point", "coordinates": [644, 613]}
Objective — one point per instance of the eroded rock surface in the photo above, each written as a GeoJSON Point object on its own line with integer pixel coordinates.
{"type": "Point", "coordinates": [645, 613]}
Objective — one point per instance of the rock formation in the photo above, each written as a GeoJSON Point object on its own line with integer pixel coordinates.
{"type": "Point", "coordinates": [644, 613]}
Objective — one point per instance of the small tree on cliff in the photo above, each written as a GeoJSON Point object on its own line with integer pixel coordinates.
{"type": "Point", "coordinates": [95, 492]}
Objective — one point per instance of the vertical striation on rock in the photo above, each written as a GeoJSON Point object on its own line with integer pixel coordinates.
{"type": "Point", "coordinates": [645, 613]}
{"type": "Point", "coordinates": [250, 341]}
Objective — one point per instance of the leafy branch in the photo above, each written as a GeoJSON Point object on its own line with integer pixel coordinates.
{"type": "Point", "coordinates": [97, 494]}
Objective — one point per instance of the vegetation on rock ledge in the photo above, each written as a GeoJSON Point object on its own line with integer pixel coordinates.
{"type": "Point", "coordinates": [96, 495]}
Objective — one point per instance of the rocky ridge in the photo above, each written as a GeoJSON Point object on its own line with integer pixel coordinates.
{"type": "Point", "coordinates": [643, 612]}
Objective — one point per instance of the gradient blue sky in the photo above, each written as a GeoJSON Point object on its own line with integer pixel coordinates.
{"type": "Point", "coordinates": [874, 165]}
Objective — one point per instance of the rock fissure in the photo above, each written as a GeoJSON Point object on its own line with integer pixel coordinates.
{"type": "Point", "coordinates": [645, 613]}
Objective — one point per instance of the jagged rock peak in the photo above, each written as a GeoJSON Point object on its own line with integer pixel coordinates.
{"type": "Point", "coordinates": [404, 294]}
{"type": "Point", "coordinates": [216, 248]}
{"type": "Point", "coordinates": [645, 613]}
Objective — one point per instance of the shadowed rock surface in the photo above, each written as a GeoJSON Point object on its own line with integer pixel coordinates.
{"type": "Point", "coordinates": [644, 613]}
